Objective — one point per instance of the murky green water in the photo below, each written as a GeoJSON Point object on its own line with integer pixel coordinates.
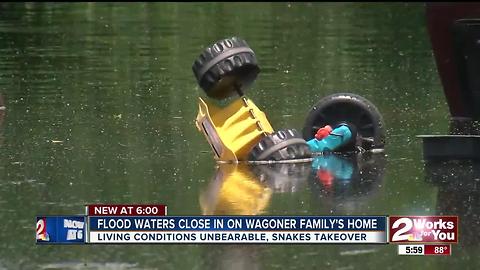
{"type": "Point", "coordinates": [100, 106]}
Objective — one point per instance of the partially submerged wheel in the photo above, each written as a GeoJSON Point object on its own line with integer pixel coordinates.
{"type": "Point", "coordinates": [284, 144]}
{"type": "Point", "coordinates": [225, 68]}
{"type": "Point", "coordinates": [353, 110]}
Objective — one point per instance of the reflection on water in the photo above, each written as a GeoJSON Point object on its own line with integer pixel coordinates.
{"type": "Point", "coordinates": [235, 190]}
{"type": "Point", "coordinates": [235, 257]}
{"type": "Point", "coordinates": [341, 182]}
{"type": "Point", "coordinates": [241, 189]}
{"type": "Point", "coordinates": [347, 183]}
{"type": "Point", "coordinates": [283, 177]}
{"type": "Point", "coordinates": [458, 183]}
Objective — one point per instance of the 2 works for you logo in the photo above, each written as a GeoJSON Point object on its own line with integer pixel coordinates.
{"type": "Point", "coordinates": [425, 229]}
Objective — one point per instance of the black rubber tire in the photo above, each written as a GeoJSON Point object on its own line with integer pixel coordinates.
{"type": "Point", "coordinates": [226, 66]}
{"type": "Point", "coordinates": [284, 144]}
{"type": "Point", "coordinates": [354, 110]}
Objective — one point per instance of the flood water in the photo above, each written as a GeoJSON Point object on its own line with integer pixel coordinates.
{"type": "Point", "coordinates": [100, 107]}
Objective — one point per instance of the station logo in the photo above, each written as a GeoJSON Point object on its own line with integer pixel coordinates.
{"type": "Point", "coordinates": [41, 233]}
{"type": "Point", "coordinates": [423, 229]}
{"type": "Point", "coordinates": [60, 229]}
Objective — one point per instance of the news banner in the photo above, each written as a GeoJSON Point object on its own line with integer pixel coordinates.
{"type": "Point", "coordinates": [150, 224]}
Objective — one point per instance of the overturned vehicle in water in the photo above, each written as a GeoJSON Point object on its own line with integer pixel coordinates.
{"type": "Point", "coordinates": [240, 132]}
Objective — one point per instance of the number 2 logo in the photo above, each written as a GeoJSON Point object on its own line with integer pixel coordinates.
{"type": "Point", "coordinates": [400, 234]}
{"type": "Point", "coordinates": [40, 227]}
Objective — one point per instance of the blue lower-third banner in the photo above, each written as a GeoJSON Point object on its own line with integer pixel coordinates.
{"type": "Point", "coordinates": [239, 229]}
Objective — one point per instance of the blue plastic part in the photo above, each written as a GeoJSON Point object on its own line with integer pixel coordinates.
{"type": "Point", "coordinates": [341, 168]}
{"type": "Point", "coordinates": [337, 138]}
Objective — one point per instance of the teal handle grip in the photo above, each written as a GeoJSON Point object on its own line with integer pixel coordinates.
{"type": "Point", "coordinates": [337, 138]}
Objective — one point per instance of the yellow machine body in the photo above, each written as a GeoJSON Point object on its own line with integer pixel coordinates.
{"type": "Point", "coordinates": [235, 190]}
{"type": "Point", "coordinates": [234, 130]}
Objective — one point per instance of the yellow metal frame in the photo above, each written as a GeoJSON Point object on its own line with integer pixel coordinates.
{"type": "Point", "coordinates": [234, 130]}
